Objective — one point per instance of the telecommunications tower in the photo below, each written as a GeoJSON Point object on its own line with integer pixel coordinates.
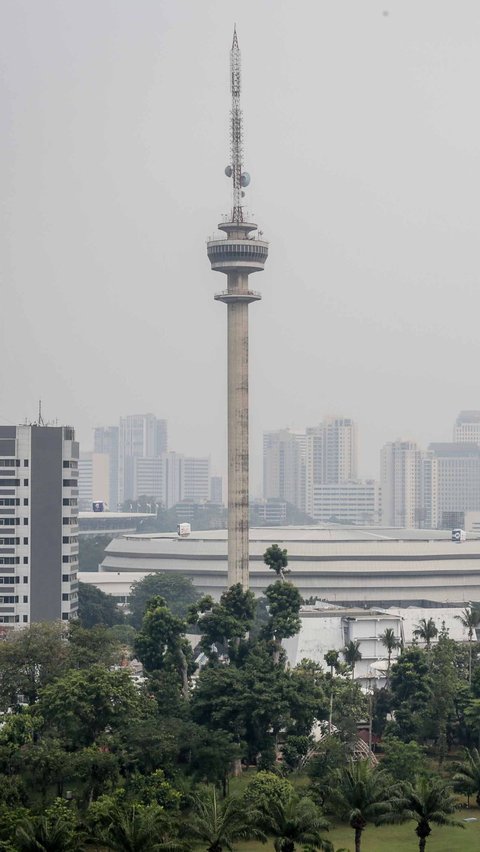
{"type": "Point", "coordinates": [240, 253]}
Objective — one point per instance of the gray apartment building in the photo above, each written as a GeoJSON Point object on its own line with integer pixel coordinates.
{"type": "Point", "coordinates": [38, 524]}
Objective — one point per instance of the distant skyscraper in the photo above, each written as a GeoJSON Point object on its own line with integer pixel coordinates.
{"type": "Point", "coordinates": [38, 523]}
{"type": "Point", "coordinates": [140, 436]}
{"type": "Point", "coordinates": [93, 480]}
{"type": "Point", "coordinates": [400, 479]}
{"type": "Point", "coordinates": [216, 490]}
{"type": "Point", "coordinates": [196, 479]}
{"type": "Point", "coordinates": [347, 503]}
{"type": "Point", "coordinates": [455, 472]}
{"type": "Point", "coordinates": [467, 427]}
{"type": "Point", "coordinates": [331, 455]}
{"type": "Point", "coordinates": [105, 441]}
{"type": "Point", "coordinates": [284, 466]}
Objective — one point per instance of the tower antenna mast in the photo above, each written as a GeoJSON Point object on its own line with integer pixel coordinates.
{"type": "Point", "coordinates": [236, 129]}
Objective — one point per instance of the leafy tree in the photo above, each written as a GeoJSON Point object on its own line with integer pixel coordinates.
{"type": "Point", "coordinates": [352, 654]}
{"type": "Point", "coordinates": [91, 551]}
{"type": "Point", "coordinates": [402, 760]}
{"type": "Point", "coordinates": [411, 690]}
{"type": "Point", "coordinates": [91, 646]}
{"type": "Point", "coordinates": [161, 643]}
{"type": "Point", "coordinates": [96, 607]}
{"type": "Point", "coordinates": [467, 774]}
{"type": "Point", "coordinates": [155, 789]}
{"type": "Point", "coordinates": [210, 754]}
{"type": "Point", "coordinates": [83, 704]}
{"type": "Point", "coordinates": [43, 764]}
{"type": "Point", "coordinates": [472, 717]}
{"type": "Point", "coordinates": [297, 821]}
{"type": "Point", "coordinates": [277, 560]}
{"type": "Point", "coordinates": [332, 753]}
{"type": "Point", "coordinates": [362, 794]}
{"type": "Point", "coordinates": [430, 800]}
{"type": "Point", "coordinates": [267, 789]}
{"type": "Point", "coordinates": [30, 659]}
{"type": "Point", "coordinates": [178, 591]}
{"type": "Point", "coordinates": [284, 602]}
{"type": "Point", "coordinates": [445, 683]}
{"type": "Point", "coordinates": [332, 659]}
{"type": "Point", "coordinates": [470, 619]}
{"type": "Point", "coordinates": [218, 824]}
{"type": "Point", "coordinates": [55, 831]}
{"type": "Point", "coordinates": [391, 643]}
{"type": "Point", "coordinates": [98, 769]}
{"type": "Point", "coordinates": [426, 630]}
{"type": "Point", "coordinates": [223, 625]}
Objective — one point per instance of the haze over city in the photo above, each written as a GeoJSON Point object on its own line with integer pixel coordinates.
{"type": "Point", "coordinates": [362, 139]}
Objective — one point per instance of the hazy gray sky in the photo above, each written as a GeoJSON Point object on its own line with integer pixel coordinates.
{"type": "Point", "coordinates": [362, 137]}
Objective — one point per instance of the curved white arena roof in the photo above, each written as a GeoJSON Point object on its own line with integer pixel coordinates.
{"type": "Point", "coordinates": [340, 564]}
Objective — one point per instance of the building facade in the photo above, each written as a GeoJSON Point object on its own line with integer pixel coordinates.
{"type": "Point", "coordinates": [105, 441]}
{"type": "Point", "coordinates": [38, 524]}
{"type": "Point", "coordinates": [140, 436]}
{"type": "Point", "coordinates": [330, 456]}
{"type": "Point", "coordinates": [196, 479]}
{"type": "Point", "coordinates": [347, 503]}
{"type": "Point", "coordinates": [284, 466]}
{"type": "Point", "coordinates": [400, 478]}
{"type": "Point", "coordinates": [467, 427]}
{"type": "Point", "coordinates": [93, 480]}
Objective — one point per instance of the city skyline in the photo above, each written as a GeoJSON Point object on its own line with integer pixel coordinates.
{"type": "Point", "coordinates": [357, 310]}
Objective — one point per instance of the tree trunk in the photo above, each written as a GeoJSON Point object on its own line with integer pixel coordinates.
{"type": "Point", "coordinates": [237, 767]}
{"type": "Point", "coordinates": [421, 844]}
{"type": "Point", "coordinates": [358, 839]}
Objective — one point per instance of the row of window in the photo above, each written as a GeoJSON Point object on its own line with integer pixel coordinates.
{"type": "Point", "coordinates": [11, 540]}
{"type": "Point", "coordinates": [70, 483]}
{"type": "Point", "coordinates": [9, 560]}
{"type": "Point", "coordinates": [67, 559]}
{"type": "Point", "coordinates": [12, 522]}
{"type": "Point", "coordinates": [10, 581]}
{"type": "Point", "coordinates": [70, 539]}
{"type": "Point", "coordinates": [70, 501]}
{"type": "Point", "coordinates": [69, 578]}
{"type": "Point", "coordinates": [13, 462]}
{"type": "Point", "coordinates": [71, 464]}
{"type": "Point", "coordinates": [12, 599]}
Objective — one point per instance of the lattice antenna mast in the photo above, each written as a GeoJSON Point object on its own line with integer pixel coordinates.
{"type": "Point", "coordinates": [240, 179]}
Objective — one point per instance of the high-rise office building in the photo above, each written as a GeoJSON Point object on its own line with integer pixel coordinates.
{"type": "Point", "coordinates": [38, 524]}
{"type": "Point", "coordinates": [455, 473]}
{"type": "Point", "coordinates": [355, 503]}
{"type": "Point", "coordinates": [216, 490]}
{"type": "Point", "coordinates": [105, 441]}
{"type": "Point", "coordinates": [284, 466]}
{"type": "Point", "coordinates": [400, 480]}
{"type": "Point", "coordinates": [140, 436]}
{"type": "Point", "coordinates": [467, 427]}
{"type": "Point", "coordinates": [330, 456]}
{"type": "Point", "coordinates": [93, 480]}
{"type": "Point", "coordinates": [196, 479]}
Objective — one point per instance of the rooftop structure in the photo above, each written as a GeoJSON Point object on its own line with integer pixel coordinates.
{"type": "Point", "coordinates": [237, 255]}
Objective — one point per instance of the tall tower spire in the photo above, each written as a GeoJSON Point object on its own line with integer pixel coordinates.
{"type": "Point", "coordinates": [237, 255]}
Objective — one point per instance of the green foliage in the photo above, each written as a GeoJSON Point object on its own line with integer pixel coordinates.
{"type": "Point", "coordinates": [352, 654]}
{"type": "Point", "coordinates": [284, 602]}
{"type": "Point", "coordinates": [224, 624]}
{"type": "Point", "coordinates": [83, 704]}
{"type": "Point", "coordinates": [178, 591]}
{"type": "Point", "coordinates": [296, 821]}
{"type": "Point", "coordinates": [30, 659]}
{"type": "Point", "coordinates": [426, 630]}
{"type": "Point", "coordinates": [403, 760]}
{"type": "Point", "coordinates": [361, 794]}
{"type": "Point", "coordinates": [467, 774]}
{"type": "Point", "coordinates": [411, 691]}
{"type": "Point", "coordinates": [91, 646]}
{"type": "Point", "coordinates": [56, 831]}
{"type": "Point", "coordinates": [154, 789]}
{"type": "Point", "coordinates": [277, 560]}
{"type": "Point", "coordinates": [91, 551]}
{"type": "Point", "coordinates": [96, 607]}
{"type": "Point", "coordinates": [429, 800]}
{"type": "Point", "coordinates": [218, 824]}
{"type": "Point", "coordinates": [267, 789]}
{"type": "Point", "coordinates": [136, 828]}
{"type": "Point", "coordinates": [162, 645]}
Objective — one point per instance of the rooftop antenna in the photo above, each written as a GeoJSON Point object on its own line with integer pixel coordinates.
{"type": "Point", "coordinates": [40, 418]}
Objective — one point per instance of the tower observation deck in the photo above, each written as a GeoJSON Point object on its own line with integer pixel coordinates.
{"type": "Point", "coordinates": [237, 255]}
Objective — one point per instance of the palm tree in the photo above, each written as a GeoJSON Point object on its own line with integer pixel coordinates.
{"type": "Point", "coordinates": [137, 829]}
{"type": "Point", "coordinates": [426, 630]}
{"type": "Point", "coordinates": [363, 794]}
{"type": "Point", "coordinates": [430, 800]}
{"type": "Point", "coordinates": [390, 642]}
{"type": "Point", "coordinates": [218, 824]}
{"type": "Point", "coordinates": [467, 775]}
{"type": "Point", "coordinates": [277, 560]}
{"type": "Point", "coordinates": [296, 821]}
{"type": "Point", "coordinates": [470, 619]}
{"type": "Point", "coordinates": [352, 654]}
{"type": "Point", "coordinates": [45, 835]}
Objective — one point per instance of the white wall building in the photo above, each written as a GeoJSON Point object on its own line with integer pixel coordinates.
{"type": "Point", "coordinates": [467, 427]}
{"type": "Point", "coordinates": [105, 441]}
{"type": "Point", "coordinates": [330, 455]}
{"type": "Point", "coordinates": [284, 466]}
{"type": "Point", "coordinates": [38, 524]}
{"type": "Point", "coordinates": [93, 479]}
{"type": "Point", "coordinates": [140, 436]}
{"type": "Point", "coordinates": [347, 503]}
{"type": "Point", "coordinates": [400, 478]}
{"type": "Point", "coordinates": [196, 479]}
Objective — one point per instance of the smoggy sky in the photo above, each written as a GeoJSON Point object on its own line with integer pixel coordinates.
{"type": "Point", "coordinates": [362, 136]}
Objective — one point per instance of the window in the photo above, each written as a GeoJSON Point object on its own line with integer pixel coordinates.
{"type": "Point", "coordinates": [25, 522]}
{"type": "Point", "coordinates": [65, 578]}
{"type": "Point", "coordinates": [25, 481]}
{"type": "Point", "coordinates": [64, 616]}
{"type": "Point", "coordinates": [25, 560]}
{"type": "Point", "coordinates": [25, 462]}
{"type": "Point", "coordinates": [25, 599]}
{"type": "Point", "coordinates": [65, 596]}
{"type": "Point", "coordinates": [25, 580]}
{"type": "Point", "coordinates": [9, 522]}
{"type": "Point", "coordinates": [25, 540]}
{"type": "Point", "coordinates": [25, 619]}
{"type": "Point", "coordinates": [25, 501]}
{"type": "Point", "coordinates": [9, 482]}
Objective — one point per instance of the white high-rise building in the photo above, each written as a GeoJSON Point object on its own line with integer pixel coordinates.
{"type": "Point", "coordinates": [38, 524]}
{"type": "Point", "coordinates": [456, 472]}
{"type": "Point", "coordinates": [347, 503]}
{"type": "Point", "coordinates": [196, 479]}
{"type": "Point", "coordinates": [105, 441]}
{"type": "Point", "coordinates": [400, 479]}
{"type": "Point", "coordinates": [331, 455]}
{"type": "Point", "coordinates": [467, 427]}
{"type": "Point", "coordinates": [284, 466]}
{"type": "Point", "coordinates": [140, 436]}
{"type": "Point", "coordinates": [93, 480]}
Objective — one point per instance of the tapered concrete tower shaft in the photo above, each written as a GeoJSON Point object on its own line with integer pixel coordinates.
{"type": "Point", "coordinates": [237, 255]}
